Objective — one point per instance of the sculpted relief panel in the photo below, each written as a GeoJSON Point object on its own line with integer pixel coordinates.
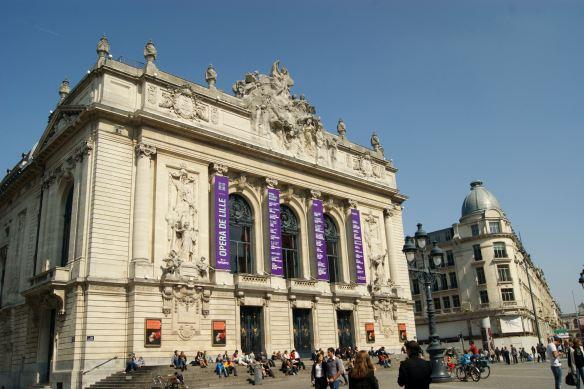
{"type": "Point", "coordinates": [377, 256]}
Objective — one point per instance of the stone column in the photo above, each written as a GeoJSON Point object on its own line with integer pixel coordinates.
{"type": "Point", "coordinates": [142, 229]}
{"type": "Point", "coordinates": [391, 264]}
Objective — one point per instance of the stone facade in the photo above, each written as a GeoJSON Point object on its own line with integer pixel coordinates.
{"type": "Point", "coordinates": [484, 284]}
{"type": "Point", "coordinates": [112, 219]}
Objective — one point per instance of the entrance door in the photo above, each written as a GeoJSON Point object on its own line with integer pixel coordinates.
{"type": "Point", "coordinates": [302, 319]}
{"type": "Point", "coordinates": [345, 328]}
{"type": "Point", "coordinates": [252, 329]}
{"type": "Point", "coordinates": [51, 340]}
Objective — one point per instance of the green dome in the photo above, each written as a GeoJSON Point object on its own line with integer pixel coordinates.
{"type": "Point", "coordinates": [478, 200]}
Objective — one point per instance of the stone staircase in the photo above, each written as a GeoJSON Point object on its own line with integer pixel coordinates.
{"type": "Point", "coordinates": [194, 376]}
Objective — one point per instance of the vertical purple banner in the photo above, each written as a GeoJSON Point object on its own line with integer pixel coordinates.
{"type": "Point", "coordinates": [222, 245]}
{"type": "Point", "coordinates": [321, 258]}
{"type": "Point", "coordinates": [358, 246]}
{"type": "Point", "coordinates": [275, 232]}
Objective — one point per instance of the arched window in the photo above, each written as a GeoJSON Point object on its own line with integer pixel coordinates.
{"type": "Point", "coordinates": [66, 233]}
{"type": "Point", "coordinates": [290, 242]}
{"type": "Point", "coordinates": [331, 236]}
{"type": "Point", "coordinates": [240, 234]}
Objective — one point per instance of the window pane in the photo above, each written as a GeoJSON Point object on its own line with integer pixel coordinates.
{"type": "Point", "coordinates": [418, 306]}
{"type": "Point", "coordinates": [290, 231]}
{"type": "Point", "coordinates": [500, 250]}
{"type": "Point", "coordinates": [495, 227]}
{"type": "Point", "coordinates": [449, 258]}
{"type": "Point", "coordinates": [478, 255]}
{"type": "Point", "coordinates": [474, 229]}
{"type": "Point", "coordinates": [446, 302]}
{"type": "Point", "coordinates": [240, 234]}
{"type": "Point", "coordinates": [484, 296]}
{"type": "Point", "coordinates": [456, 301]}
{"type": "Point", "coordinates": [481, 276]}
{"type": "Point", "coordinates": [453, 280]}
{"type": "Point", "coordinates": [504, 273]}
{"type": "Point", "coordinates": [331, 237]}
{"type": "Point", "coordinates": [437, 304]}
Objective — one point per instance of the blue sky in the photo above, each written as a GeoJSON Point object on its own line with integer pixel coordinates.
{"type": "Point", "coordinates": [456, 90]}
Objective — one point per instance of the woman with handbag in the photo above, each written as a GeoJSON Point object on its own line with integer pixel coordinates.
{"type": "Point", "coordinates": [576, 364]}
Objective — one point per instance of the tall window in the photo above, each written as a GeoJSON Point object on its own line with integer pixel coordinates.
{"type": "Point", "coordinates": [477, 253]}
{"type": "Point", "coordinates": [484, 297]}
{"type": "Point", "coordinates": [456, 301]}
{"type": "Point", "coordinates": [240, 234]}
{"type": "Point", "coordinates": [331, 236]}
{"type": "Point", "coordinates": [507, 294]}
{"type": "Point", "coordinates": [3, 255]}
{"type": "Point", "coordinates": [500, 250]}
{"type": "Point", "coordinates": [418, 305]}
{"type": "Point", "coordinates": [449, 258]}
{"type": "Point", "coordinates": [415, 287]}
{"type": "Point", "coordinates": [290, 242]}
{"type": "Point", "coordinates": [437, 305]}
{"type": "Point", "coordinates": [444, 281]}
{"type": "Point", "coordinates": [446, 302]}
{"type": "Point", "coordinates": [474, 229]}
{"type": "Point", "coordinates": [504, 272]}
{"type": "Point", "coordinates": [453, 281]}
{"type": "Point", "coordinates": [481, 279]}
{"type": "Point", "coordinates": [495, 227]}
{"type": "Point", "coordinates": [67, 212]}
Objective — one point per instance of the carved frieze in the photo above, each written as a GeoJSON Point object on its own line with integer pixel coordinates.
{"type": "Point", "coordinates": [184, 103]}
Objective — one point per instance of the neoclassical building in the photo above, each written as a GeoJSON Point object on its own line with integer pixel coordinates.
{"type": "Point", "coordinates": [157, 214]}
{"type": "Point", "coordinates": [488, 284]}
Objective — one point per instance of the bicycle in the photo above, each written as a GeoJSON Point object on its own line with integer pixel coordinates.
{"type": "Point", "coordinates": [483, 365]}
{"type": "Point", "coordinates": [465, 371]}
{"type": "Point", "coordinates": [169, 382]}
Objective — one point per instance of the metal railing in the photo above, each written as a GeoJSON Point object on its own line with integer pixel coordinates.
{"type": "Point", "coordinates": [100, 365]}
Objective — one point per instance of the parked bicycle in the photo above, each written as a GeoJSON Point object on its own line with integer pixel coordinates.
{"type": "Point", "coordinates": [169, 382]}
{"type": "Point", "coordinates": [483, 365]}
{"type": "Point", "coordinates": [463, 372]}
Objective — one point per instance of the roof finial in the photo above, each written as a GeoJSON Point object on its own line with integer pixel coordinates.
{"type": "Point", "coordinates": [341, 129]}
{"type": "Point", "coordinates": [64, 89]}
{"type": "Point", "coordinates": [102, 50]}
{"type": "Point", "coordinates": [150, 54]}
{"type": "Point", "coordinates": [211, 76]}
{"type": "Point", "coordinates": [476, 183]}
{"type": "Point", "coordinates": [376, 144]}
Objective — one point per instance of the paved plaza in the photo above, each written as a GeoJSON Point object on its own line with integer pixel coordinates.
{"type": "Point", "coordinates": [527, 375]}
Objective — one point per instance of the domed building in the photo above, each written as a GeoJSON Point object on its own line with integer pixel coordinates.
{"type": "Point", "coordinates": [488, 290]}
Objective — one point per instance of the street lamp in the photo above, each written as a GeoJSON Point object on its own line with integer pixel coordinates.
{"type": "Point", "coordinates": [414, 247]}
{"type": "Point", "coordinates": [581, 280]}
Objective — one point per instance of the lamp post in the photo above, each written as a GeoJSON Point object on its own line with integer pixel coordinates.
{"type": "Point", "coordinates": [581, 280]}
{"type": "Point", "coordinates": [414, 247]}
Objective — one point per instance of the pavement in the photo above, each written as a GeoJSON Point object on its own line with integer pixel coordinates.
{"type": "Point", "coordinates": [526, 375]}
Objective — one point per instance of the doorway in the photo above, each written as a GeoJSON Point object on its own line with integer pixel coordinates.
{"type": "Point", "coordinates": [252, 329]}
{"type": "Point", "coordinates": [345, 328]}
{"type": "Point", "coordinates": [302, 320]}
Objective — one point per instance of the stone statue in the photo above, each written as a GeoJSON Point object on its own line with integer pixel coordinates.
{"type": "Point", "coordinates": [64, 89]}
{"type": "Point", "coordinates": [182, 215]}
{"type": "Point", "coordinates": [103, 46]}
{"type": "Point", "coordinates": [341, 129]}
{"type": "Point", "coordinates": [173, 264]}
{"type": "Point", "coordinates": [202, 267]}
{"type": "Point", "coordinates": [375, 143]}
{"type": "Point", "coordinates": [211, 76]}
{"type": "Point", "coordinates": [378, 264]}
{"type": "Point", "coordinates": [150, 51]}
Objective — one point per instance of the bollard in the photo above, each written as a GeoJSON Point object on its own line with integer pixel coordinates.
{"type": "Point", "coordinates": [257, 374]}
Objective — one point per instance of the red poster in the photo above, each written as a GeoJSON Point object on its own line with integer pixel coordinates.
{"type": "Point", "coordinates": [370, 332]}
{"type": "Point", "coordinates": [152, 332]}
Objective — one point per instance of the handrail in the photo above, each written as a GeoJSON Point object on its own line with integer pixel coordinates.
{"type": "Point", "coordinates": [101, 364]}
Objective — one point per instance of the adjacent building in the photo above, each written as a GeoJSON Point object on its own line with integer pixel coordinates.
{"type": "Point", "coordinates": [156, 214]}
{"type": "Point", "coordinates": [488, 285]}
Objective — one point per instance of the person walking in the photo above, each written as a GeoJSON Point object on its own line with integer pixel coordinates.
{"type": "Point", "coordinates": [319, 373]}
{"type": "Point", "coordinates": [334, 369]}
{"type": "Point", "coordinates": [554, 356]}
{"type": "Point", "coordinates": [414, 372]}
{"type": "Point", "coordinates": [533, 352]}
{"type": "Point", "coordinates": [576, 361]}
{"type": "Point", "coordinates": [362, 375]}
{"type": "Point", "coordinates": [514, 354]}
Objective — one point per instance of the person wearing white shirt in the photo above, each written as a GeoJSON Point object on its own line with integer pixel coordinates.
{"type": "Point", "coordinates": [554, 357]}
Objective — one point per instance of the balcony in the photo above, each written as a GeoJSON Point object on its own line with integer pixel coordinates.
{"type": "Point", "coordinates": [345, 290]}
{"type": "Point", "coordinates": [47, 289]}
{"type": "Point", "coordinates": [252, 282]}
{"type": "Point", "coordinates": [303, 286]}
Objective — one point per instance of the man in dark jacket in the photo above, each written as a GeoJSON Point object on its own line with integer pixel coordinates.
{"type": "Point", "coordinates": [414, 372]}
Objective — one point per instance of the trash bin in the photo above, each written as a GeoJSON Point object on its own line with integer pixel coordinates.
{"type": "Point", "coordinates": [257, 374]}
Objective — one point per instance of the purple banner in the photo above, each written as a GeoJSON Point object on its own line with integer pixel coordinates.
{"type": "Point", "coordinates": [358, 246]}
{"type": "Point", "coordinates": [320, 242]}
{"type": "Point", "coordinates": [222, 245]}
{"type": "Point", "coordinates": [275, 232]}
